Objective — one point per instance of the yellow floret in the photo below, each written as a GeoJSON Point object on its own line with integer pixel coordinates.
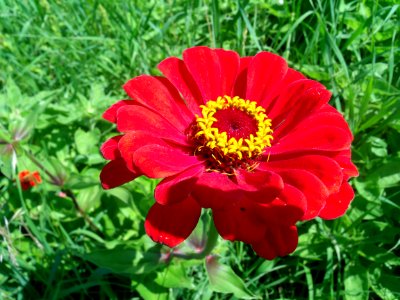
{"type": "Point", "coordinates": [235, 149]}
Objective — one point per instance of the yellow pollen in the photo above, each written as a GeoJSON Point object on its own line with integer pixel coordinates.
{"type": "Point", "coordinates": [231, 149]}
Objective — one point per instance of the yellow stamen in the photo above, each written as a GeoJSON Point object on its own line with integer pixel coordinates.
{"type": "Point", "coordinates": [232, 149]}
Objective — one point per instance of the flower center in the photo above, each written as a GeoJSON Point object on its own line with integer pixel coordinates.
{"type": "Point", "coordinates": [231, 133]}
{"type": "Point", "coordinates": [236, 123]}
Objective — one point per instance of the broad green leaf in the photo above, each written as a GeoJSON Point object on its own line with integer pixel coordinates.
{"type": "Point", "coordinates": [224, 280]}
{"type": "Point", "coordinates": [121, 193]}
{"type": "Point", "coordinates": [384, 284]}
{"type": "Point", "coordinates": [78, 182]}
{"type": "Point", "coordinates": [174, 276]}
{"type": "Point", "coordinates": [389, 174]}
{"type": "Point", "coordinates": [367, 189]}
{"type": "Point", "coordinates": [126, 261]}
{"type": "Point", "coordinates": [378, 146]}
{"type": "Point", "coordinates": [13, 93]}
{"type": "Point", "coordinates": [89, 198]}
{"type": "Point", "coordinates": [8, 162]}
{"type": "Point", "coordinates": [150, 290]}
{"type": "Point", "coordinates": [355, 282]}
{"type": "Point", "coordinates": [311, 244]}
{"type": "Point", "coordinates": [87, 142]}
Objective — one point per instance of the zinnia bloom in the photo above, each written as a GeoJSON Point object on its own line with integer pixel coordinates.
{"type": "Point", "coordinates": [249, 138]}
{"type": "Point", "coordinates": [29, 179]}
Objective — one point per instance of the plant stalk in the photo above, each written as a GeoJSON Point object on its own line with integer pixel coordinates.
{"type": "Point", "coordinates": [68, 192]}
{"type": "Point", "coordinates": [212, 239]}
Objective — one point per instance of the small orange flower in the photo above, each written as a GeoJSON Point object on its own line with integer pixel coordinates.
{"type": "Point", "coordinates": [29, 179]}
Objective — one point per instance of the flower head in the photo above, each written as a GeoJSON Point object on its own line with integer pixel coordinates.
{"type": "Point", "coordinates": [29, 179]}
{"type": "Point", "coordinates": [249, 138]}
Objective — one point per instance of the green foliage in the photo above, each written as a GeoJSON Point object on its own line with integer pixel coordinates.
{"type": "Point", "coordinates": [62, 63]}
{"type": "Point", "coordinates": [224, 280]}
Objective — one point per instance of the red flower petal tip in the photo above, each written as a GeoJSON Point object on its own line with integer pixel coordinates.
{"type": "Point", "coordinates": [249, 138]}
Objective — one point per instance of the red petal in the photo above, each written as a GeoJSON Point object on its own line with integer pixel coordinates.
{"type": "Point", "coordinates": [264, 72]}
{"type": "Point", "coordinates": [290, 77]}
{"type": "Point", "coordinates": [134, 117]}
{"type": "Point", "coordinates": [239, 223]}
{"type": "Point", "coordinates": [294, 95]}
{"type": "Point", "coordinates": [216, 190]}
{"type": "Point", "coordinates": [37, 177]}
{"type": "Point", "coordinates": [278, 241]}
{"type": "Point", "coordinates": [344, 160]}
{"type": "Point", "coordinates": [320, 118]}
{"type": "Point", "coordinates": [172, 224]}
{"type": "Point", "coordinates": [155, 95]}
{"type": "Point", "coordinates": [132, 141]}
{"type": "Point", "coordinates": [111, 113]}
{"type": "Point", "coordinates": [285, 210]}
{"type": "Point", "coordinates": [22, 174]}
{"type": "Point", "coordinates": [115, 173]}
{"type": "Point", "coordinates": [175, 70]}
{"type": "Point", "coordinates": [325, 168]}
{"type": "Point", "coordinates": [185, 112]}
{"type": "Point", "coordinates": [110, 148]}
{"type": "Point", "coordinates": [248, 221]}
{"type": "Point", "coordinates": [23, 181]}
{"type": "Point", "coordinates": [297, 102]}
{"type": "Point", "coordinates": [337, 204]}
{"type": "Point", "coordinates": [156, 161]}
{"type": "Point", "coordinates": [229, 67]}
{"type": "Point", "coordinates": [313, 189]}
{"type": "Point", "coordinates": [25, 185]}
{"type": "Point", "coordinates": [260, 186]}
{"type": "Point", "coordinates": [240, 86]}
{"type": "Point", "coordinates": [176, 188]}
{"type": "Point", "coordinates": [321, 138]}
{"type": "Point", "coordinates": [214, 71]}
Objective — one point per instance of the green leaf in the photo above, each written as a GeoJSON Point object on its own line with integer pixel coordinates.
{"type": "Point", "coordinates": [222, 279]}
{"type": "Point", "coordinates": [87, 142]}
{"type": "Point", "coordinates": [383, 176]}
{"type": "Point", "coordinates": [174, 276]}
{"type": "Point", "coordinates": [121, 193]}
{"type": "Point", "coordinates": [8, 161]}
{"type": "Point", "coordinates": [150, 290]}
{"type": "Point", "coordinates": [126, 260]}
{"type": "Point", "coordinates": [78, 182]}
{"type": "Point", "coordinates": [385, 285]}
{"type": "Point", "coordinates": [355, 282]}
{"type": "Point", "coordinates": [378, 146]}
{"type": "Point", "coordinates": [389, 174]}
{"type": "Point", "coordinates": [89, 198]}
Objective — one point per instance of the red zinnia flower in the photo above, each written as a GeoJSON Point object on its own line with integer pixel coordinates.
{"type": "Point", "coordinates": [250, 138]}
{"type": "Point", "coordinates": [29, 179]}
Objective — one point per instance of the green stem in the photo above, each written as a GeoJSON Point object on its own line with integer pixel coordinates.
{"type": "Point", "coordinates": [59, 182]}
{"type": "Point", "coordinates": [93, 226]}
{"type": "Point", "coordinates": [53, 178]}
{"type": "Point", "coordinates": [212, 239]}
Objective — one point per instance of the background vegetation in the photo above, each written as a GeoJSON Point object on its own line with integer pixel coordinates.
{"type": "Point", "coordinates": [63, 62]}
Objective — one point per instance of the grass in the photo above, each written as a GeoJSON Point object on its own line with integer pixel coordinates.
{"type": "Point", "coordinates": [63, 62]}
